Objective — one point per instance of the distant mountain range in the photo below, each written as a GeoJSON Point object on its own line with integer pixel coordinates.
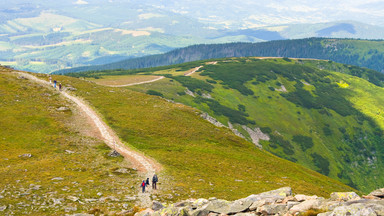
{"type": "Point", "coordinates": [45, 36]}
{"type": "Point", "coordinates": [365, 53]}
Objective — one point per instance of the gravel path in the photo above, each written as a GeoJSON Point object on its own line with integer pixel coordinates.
{"type": "Point", "coordinates": [146, 166]}
{"type": "Point", "coordinates": [138, 83]}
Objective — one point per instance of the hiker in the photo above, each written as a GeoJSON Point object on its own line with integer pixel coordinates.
{"type": "Point", "coordinates": [154, 181]}
{"type": "Point", "coordinates": [50, 79]}
{"type": "Point", "coordinates": [59, 86]}
{"type": "Point", "coordinates": [143, 186]}
{"type": "Point", "coordinates": [147, 182]}
{"type": "Point", "coordinates": [54, 83]}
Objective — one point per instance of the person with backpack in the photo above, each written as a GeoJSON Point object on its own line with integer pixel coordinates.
{"type": "Point", "coordinates": [59, 86]}
{"type": "Point", "coordinates": [54, 83]}
{"type": "Point", "coordinates": [147, 182]}
{"type": "Point", "coordinates": [154, 181]}
{"type": "Point", "coordinates": [143, 186]}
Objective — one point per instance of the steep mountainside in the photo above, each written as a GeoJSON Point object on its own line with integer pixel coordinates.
{"type": "Point", "coordinates": [52, 162]}
{"type": "Point", "coordinates": [364, 53]}
{"type": "Point", "coordinates": [301, 110]}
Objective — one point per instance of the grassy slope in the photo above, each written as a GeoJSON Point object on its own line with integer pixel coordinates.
{"type": "Point", "coordinates": [202, 160]}
{"type": "Point", "coordinates": [341, 132]}
{"type": "Point", "coordinates": [30, 124]}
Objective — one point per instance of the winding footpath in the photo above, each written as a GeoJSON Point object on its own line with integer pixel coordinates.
{"type": "Point", "coordinates": [138, 83]}
{"type": "Point", "coordinates": [145, 166]}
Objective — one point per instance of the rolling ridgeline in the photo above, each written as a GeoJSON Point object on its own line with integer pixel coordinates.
{"type": "Point", "coordinates": [321, 114]}
{"type": "Point", "coordinates": [363, 53]}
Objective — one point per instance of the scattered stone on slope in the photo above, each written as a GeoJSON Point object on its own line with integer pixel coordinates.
{"type": "Point", "coordinates": [114, 153]}
{"type": "Point", "coordinates": [211, 120]}
{"type": "Point", "coordinates": [25, 156]}
{"type": "Point", "coordinates": [2, 208]}
{"type": "Point", "coordinates": [57, 179]}
{"type": "Point", "coordinates": [235, 131]}
{"type": "Point", "coordinates": [157, 206]}
{"type": "Point", "coordinates": [256, 135]}
{"type": "Point", "coordinates": [189, 92]}
{"type": "Point", "coordinates": [62, 109]}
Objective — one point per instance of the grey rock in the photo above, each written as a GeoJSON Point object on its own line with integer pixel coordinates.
{"type": "Point", "coordinates": [129, 198]}
{"type": "Point", "coordinates": [72, 198]}
{"type": "Point", "coordinates": [262, 202]}
{"type": "Point", "coordinates": [290, 204]}
{"type": "Point", "coordinates": [211, 120]}
{"type": "Point", "coordinates": [157, 205]}
{"type": "Point", "coordinates": [99, 194]}
{"type": "Point", "coordinates": [122, 171]}
{"type": "Point", "coordinates": [1, 197]}
{"type": "Point", "coordinates": [25, 156]}
{"type": "Point", "coordinates": [57, 179]}
{"type": "Point", "coordinates": [2, 208]}
{"type": "Point", "coordinates": [302, 197]}
{"type": "Point", "coordinates": [114, 153]}
{"type": "Point", "coordinates": [71, 89]}
{"type": "Point", "coordinates": [90, 200]}
{"type": "Point", "coordinates": [111, 198]}
{"type": "Point", "coordinates": [245, 214]}
{"type": "Point", "coordinates": [344, 196]}
{"type": "Point", "coordinates": [199, 212]}
{"type": "Point", "coordinates": [280, 193]}
{"type": "Point", "coordinates": [70, 208]}
{"type": "Point", "coordinates": [272, 209]}
{"type": "Point", "coordinates": [225, 207]}
{"type": "Point", "coordinates": [358, 209]}
{"type": "Point", "coordinates": [199, 203]}
{"type": "Point", "coordinates": [378, 193]}
{"type": "Point", "coordinates": [62, 109]}
{"type": "Point", "coordinates": [69, 152]}
{"type": "Point", "coordinates": [35, 187]}
{"type": "Point", "coordinates": [306, 205]}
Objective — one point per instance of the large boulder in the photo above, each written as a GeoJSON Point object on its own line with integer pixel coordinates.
{"type": "Point", "coordinates": [344, 196]}
{"type": "Point", "coordinates": [225, 207]}
{"type": "Point", "coordinates": [379, 193]}
{"type": "Point", "coordinates": [272, 209]}
{"type": "Point", "coordinates": [306, 205]}
{"type": "Point", "coordinates": [358, 208]}
{"type": "Point", "coordinates": [280, 193]}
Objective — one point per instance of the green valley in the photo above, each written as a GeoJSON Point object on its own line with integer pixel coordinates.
{"type": "Point", "coordinates": [323, 115]}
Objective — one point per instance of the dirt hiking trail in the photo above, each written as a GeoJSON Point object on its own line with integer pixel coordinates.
{"type": "Point", "coordinates": [146, 166]}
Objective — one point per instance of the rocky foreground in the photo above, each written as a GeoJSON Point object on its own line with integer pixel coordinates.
{"type": "Point", "coordinates": [276, 202]}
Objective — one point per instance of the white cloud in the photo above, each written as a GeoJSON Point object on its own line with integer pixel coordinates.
{"type": "Point", "coordinates": [81, 2]}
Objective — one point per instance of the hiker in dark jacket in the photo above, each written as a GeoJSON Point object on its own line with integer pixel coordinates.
{"type": "Point", "coordinates": [54, 83]}
{"type": "Point", "coordinates": [59, 86]}
{"type": "Point", "coordinates": [147, 182]}
{"type": "Point", "coordinates": [143, 186]}
{"type": "Point", "coordinates": [154, 181]}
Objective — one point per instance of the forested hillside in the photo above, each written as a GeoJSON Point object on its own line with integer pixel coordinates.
{"type": "Point", "coordinates": [364, 53]}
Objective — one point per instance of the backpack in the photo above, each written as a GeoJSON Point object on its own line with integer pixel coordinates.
{"type": "Point", "coordinates": [143, 184]}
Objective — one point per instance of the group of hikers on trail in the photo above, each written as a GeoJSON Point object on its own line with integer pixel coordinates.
{"type": "Point", "coordinates": [145, 183]}
{"type": "Point", "coordinates": [54, 83]}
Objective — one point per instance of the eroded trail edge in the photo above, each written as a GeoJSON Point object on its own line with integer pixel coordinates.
{"type": "Point", "coordinates": [145, 165]}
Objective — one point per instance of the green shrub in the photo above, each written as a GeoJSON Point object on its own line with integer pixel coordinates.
{"type": "Point", "coordinates": [156, 93]}
{"type": "Point", "coordinates": [211, 81]}
{"type": "Point", "coordinates": [305, 142]}
{"type": "Point", "coordinates": [271, 88]}
{"type": "Point", "coordinates": [321, 162]}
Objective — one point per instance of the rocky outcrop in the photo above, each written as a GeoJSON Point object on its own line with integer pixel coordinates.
{"type": "Point", "coordinates": [256, 135]}
{"type": "Point", "coordinates": [277, 202]}
{"type": "Point", "coordinates": [211, 120]}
